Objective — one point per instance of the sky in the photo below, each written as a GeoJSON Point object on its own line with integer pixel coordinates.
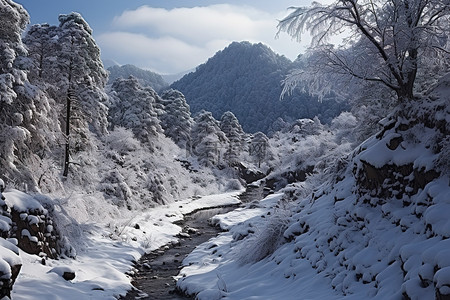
{"type": "Point", "coordinates": [172, 36]}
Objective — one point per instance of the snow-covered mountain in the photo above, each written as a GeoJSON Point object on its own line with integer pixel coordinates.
{"type": "Point", "coordinates": [245, 79]}
{"type": "Point", "coordinates": [145, 77]}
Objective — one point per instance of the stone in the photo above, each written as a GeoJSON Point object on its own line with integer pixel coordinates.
{"type": "Point", "coordinates": [68, 275]}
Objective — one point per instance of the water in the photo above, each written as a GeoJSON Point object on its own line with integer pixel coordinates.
{"type": "Point", "coordinates": [156, 270]}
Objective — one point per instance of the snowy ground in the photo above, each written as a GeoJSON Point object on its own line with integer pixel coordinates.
{"type": "Point", "coordinates": [308, 267]}
{"type": "Point", "coordinates": [108, 249]}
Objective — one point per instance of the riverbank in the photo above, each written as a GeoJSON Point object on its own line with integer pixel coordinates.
{"type": "Point", "coordinates": [156, 270]}
{"type": "Point", "coordinates": [107, 253]}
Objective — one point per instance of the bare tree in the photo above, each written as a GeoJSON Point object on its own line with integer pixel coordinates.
{"type": "Point", "coordinates": [391, 42]}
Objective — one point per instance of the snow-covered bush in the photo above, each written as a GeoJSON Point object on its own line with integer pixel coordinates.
{"type": "Point", "coordinates": [264, 240]}
{"type": "Point", "coordinates": [133, 178]}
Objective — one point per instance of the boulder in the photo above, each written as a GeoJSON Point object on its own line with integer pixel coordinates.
{"type": "Point", "coordinates": [10, 265]}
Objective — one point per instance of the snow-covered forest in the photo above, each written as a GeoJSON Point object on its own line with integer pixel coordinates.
{"type": "Point", "coordinates": [99, 167]}
{"type": "Point", "coordinates": [245, 78]}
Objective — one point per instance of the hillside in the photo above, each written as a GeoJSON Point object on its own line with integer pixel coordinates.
{"type": "Point", "coordinates": [145, 77]}
{"type": "Point", "coordinates": [245, 79]}
{"type": "Point", "coordinates": [376, 228]}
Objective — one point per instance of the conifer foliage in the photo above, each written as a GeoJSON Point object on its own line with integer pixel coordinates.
{"type": "Point", "coordinates": [65, 62]}
{"type": "Point", "coordinates": [208, 140]}
{"type": "Point", "coordinates": [25, 129]}
{"type": "Point", "coordinates": [176, 117]}
{"type": "Point", "coordinates": [229, 124]}
{"type": "Point", "coordinates": [133, 107]}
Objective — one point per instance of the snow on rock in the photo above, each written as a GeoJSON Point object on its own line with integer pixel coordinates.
{"type": "Point", "coordinates": [105, 249]}
{"type": "Point", "coordinates": [379, 230]}
{"type": "Point", "coordinates": [64, 271]}
{"type": "Point", "coordinates": [32, 225]}
{"type": "Point", "coordinates": [10, 265]}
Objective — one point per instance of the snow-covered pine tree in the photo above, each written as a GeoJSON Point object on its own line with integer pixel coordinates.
{"type": "Point", "coordinates": [133, 107]}
{"type": "Point", "coordinates": [207, 139]}
{"type": "Point", "coordinates": [258, 147]}
{"type": "Point", "coordinates": [176, 118]}
{"type": "Point", "coordinates": [66, 60]}
{"type": "Point", "coordinates": [229, 124]}
{"type": "Point", "coordinates": [25, 112]}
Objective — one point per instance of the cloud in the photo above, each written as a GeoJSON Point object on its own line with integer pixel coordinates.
{"type": "Point", "coordinates": [197, 24]}
{"type": "Point", "coordinates": [165, 55]}
{"type": "Point", "coordinates": [174, 40]}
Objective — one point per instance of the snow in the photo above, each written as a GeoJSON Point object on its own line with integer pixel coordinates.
{"type": "Point", "coordinates": [337, 245]}
{"type": "Point", "coordinates": [22, 202]}
{"type": "Point", "coordinates": [103, 256]}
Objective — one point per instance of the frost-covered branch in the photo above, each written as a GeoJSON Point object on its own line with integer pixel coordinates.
{"type": "Point", "coordinates": [388, 41]}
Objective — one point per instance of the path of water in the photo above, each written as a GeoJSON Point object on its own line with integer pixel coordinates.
{"type": "Point", "coordinates": [154, 279]}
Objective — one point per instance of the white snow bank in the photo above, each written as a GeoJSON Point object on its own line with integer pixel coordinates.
{"type": "Point", "coordinates": [107, 249]}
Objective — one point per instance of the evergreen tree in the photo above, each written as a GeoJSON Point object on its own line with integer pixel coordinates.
{"type": "Point", "coordinates": [208, 140]}
{"type": "Point", "coordinates": [25, 122]}
{"type": "Point", "coordinates": [133, 107]}
{"type": "Point", "coordinates": [258, 147]}
{"type": "Point", "coordinates": [229, 124]}
{"type": "Point", "coordinates": [176, 118]}
{"type": "Point", "coordinates": [66, 62]}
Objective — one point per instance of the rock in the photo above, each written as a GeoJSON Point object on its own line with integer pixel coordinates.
{"type": "Point", "coordinates": [184, 235]}
{"type": "Point", "coordinates": [68, 275]}
{"type": "Point", "coordinates": [10, 265]}
{"type": "Point", "coordinates": [249, 175]}
{"type": "Point", "coordinates": [64, 272]}
{"type": "Point", "coordinates": [32, 225]}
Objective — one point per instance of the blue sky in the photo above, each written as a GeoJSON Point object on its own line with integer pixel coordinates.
{"type": "Point", "coordinates": [171, 36]}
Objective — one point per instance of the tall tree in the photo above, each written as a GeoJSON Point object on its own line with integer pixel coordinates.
{"type": "Point", "coordinates": [25, 122]}
{"type": "Point", "coordinates": [258, 147]}
{"type": "Point", "coordinates": [229, 124]}
{"type": "Point", "coordinates": [67, 62]}
{"type": "Point", "coordinates": [176, 117]}
{"type": "Point", "coordinates": [208, 140]}
{"type": "Point", "coordinates": [392, 41]}
{"type": "Point", "coordinates": [133, 107]}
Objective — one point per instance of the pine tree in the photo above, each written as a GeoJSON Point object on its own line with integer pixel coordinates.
{"type": "Point", "coordinates": [25, 111]}
{"type": "Point", "coordinates": [66, 63]}
{"type": "Point", "coordinates": [133, 107]}
{"type": "Point", "coordinates": [208, 140]}
{"type": "Point", "coordinates": [176, 118]}
{"type": "Point", "coordinates": [229, 124]}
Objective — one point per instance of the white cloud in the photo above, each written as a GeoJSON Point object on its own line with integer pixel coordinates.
{"type": "Point", "coordinates": [178, 39]}
{"type": "Point", "coordinates": [164, 54]}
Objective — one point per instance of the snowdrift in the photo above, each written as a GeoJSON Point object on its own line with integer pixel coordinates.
{"type": "Point", "coordinates": [378, 228]}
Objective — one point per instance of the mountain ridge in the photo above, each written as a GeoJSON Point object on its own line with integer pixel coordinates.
{"type": "Point", "coordinates": [246, 78]}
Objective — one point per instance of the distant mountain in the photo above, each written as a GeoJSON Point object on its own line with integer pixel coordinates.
{"type": "Point", "coordinates": [107, 63]}
{"type": "Point", "coordinates": [145, 77]}
{"type": "Point", "coordinates": [246, 79]}
{"type": "Point", "coordinates": [170, 78]}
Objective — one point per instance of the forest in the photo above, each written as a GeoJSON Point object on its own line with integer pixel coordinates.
{"type": "Point", "coordinates": [349, 147]}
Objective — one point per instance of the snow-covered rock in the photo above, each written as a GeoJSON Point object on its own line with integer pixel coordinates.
{"type": "Point", "coordinates": [378, 228]}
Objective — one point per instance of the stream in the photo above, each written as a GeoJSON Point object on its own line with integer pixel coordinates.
{"type": "Point", "coordinates": [154, 279]}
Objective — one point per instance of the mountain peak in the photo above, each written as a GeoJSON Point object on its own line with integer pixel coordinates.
{"type": "Point", "coordinates": [245, 78]}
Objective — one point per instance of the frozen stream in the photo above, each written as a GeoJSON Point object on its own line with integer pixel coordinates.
{"type": "Point", "coordinates": [156, 269]}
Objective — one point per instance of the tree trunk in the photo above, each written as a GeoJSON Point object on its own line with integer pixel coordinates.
{"type": "Point", "coordinates": [69, 99]}
{"type": "Point", "coordinates": [66, 155]}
